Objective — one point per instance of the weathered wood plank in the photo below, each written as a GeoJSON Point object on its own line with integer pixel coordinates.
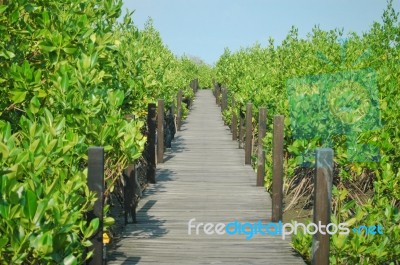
{"type": "Point", "coordinates": [202, 177]}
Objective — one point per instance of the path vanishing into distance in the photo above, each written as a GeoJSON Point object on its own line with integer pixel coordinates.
{"type": "Point", "coordinates": [203, 177]}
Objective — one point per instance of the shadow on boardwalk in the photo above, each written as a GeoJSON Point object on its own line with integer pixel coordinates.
{"type": "Point", "coordinates": [204, 177]}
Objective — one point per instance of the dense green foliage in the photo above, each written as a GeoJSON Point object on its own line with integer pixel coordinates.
{"type": "Point", "coordinates": [71, 77]}
{"type": "Point", "coordinates": [365, 193]}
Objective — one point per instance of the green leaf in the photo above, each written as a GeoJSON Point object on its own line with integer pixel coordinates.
{"type": "Point", "coordinates": [3, 8]}
{"type": "Point", "coordinates": [87, 243]}
{"type": "Point", "coordinates": [47, 47]}
{"type": "Point", "coordinates": [4, 151]}
{"type": "Point", "coordinates": [46, 19]}
{"type": "Point", "coordinates": [339, 240]}
{"type": "Point", "coordinates": [64, 82]}
{"type": "Point", "coordinates": [85, 61]}
{"type": "Point", "coordinates": [92, 228]}
{"type": "Point", "coordinates": [87, 34]}
{"type": "Point", "coordinates": [109, 221]}
{"type": "Point", "coordinates": [34, 105]}
{"type": "Point", "coordinates": [18, 96]}
{"type": "Point", "coordinates": [43, 243]}
{"type": "Point", "coordinates": [4, 210]}
{"type": "Point", "coordinates": [49, 117]}
{"type": "Point", "coordinates": [93, 59]}
{"type": "Point", "coordinates": [7, 54]}
{"type": "Point", "coordinates": [39, 163]}
{"type": "Point", "coordinates": [41, 93]}
{"type": "Point", "coordinates": [60, 126]}
{"type": "Point", "coordinates": [3, 242]}
{"type": "Point", "coordinates": [34, 145]}
{"type": "Point", "coordinates": [70, 50]}
{"type": "Point", "coordinates": [70, 260]}
{"type": "Point", "coordinates": [50, 146]}
{"type": "Point", "coordinates": [30, 204]}
{"type": "Point", "coordinates": [116, 97]}
{"type": "Point", "coordinates": [41, 209]}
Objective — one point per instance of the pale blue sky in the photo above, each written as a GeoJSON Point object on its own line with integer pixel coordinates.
{"type": "Point", "coordinates": [203, 28]}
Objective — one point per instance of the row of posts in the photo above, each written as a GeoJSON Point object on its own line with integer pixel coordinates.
{"type": "Point", "coordinates": [155, 155]}
{"type": "Point", "coordinates": [323, 168]}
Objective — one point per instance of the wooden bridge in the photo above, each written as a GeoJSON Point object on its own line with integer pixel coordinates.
{"type": "Point", "coordinates": [203, 177]}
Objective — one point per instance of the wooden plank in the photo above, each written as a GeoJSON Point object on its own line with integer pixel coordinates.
{"type": "Point", "coordinates": [202, 177]}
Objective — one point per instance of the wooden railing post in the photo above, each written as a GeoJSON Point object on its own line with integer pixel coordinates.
{"type": "Point", "coordinates": [173, 108]}
{"type": "Point", "coordinates": [151, 141]}
{"type": "Point", "coordinates": [262, 127]}
{"type": "Point", "coordinates": [160, 131]}
{"type": "Point", "coordinates": [241, 129]}
{"type": "Point", "coordinates": [322, 204]}
{"type": "Point", "coordinates": [224, 99]}
{"type": "Point", "coordinates": [214, 90]}
{"type": "Point", "coordinates": [96, 184]}
{"type": "Point", "coordinates": [277, 169]}
{"type": "Point", "coordinates": [234, 128]}
{"type": "Point", "coordinates": [217, 94]}
{"type": "Point", "coordinates": [194, 85]}
{"type": "Point", "coordinates": [169, 129]}
{"type": "Point", "coordinates": [191, 85]}
{"type": "Point", "coordinates": [179, 110]}
{"type": "Point", "coordinates": [129, 193]}
{"type": "Point", "coordinates": [249, 127]}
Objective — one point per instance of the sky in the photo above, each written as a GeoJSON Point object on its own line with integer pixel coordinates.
{"type": "Point", "coordinates": [203, 28]}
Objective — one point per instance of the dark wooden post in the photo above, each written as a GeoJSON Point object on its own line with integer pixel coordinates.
{"type": "Point", "coordinates": [96, 185]}
{"type": "Point", "coordinates": [151, 141]}
{"type": "Point", "coordinates": [194, 85]}
{"type": "Point", "coordinates": [234, 121]}
{"type": "Point", "coordinates": [160, 131]}
{"type": "Point", "coordinates": [262, 127]}
{"type": "Point", "coordinates": [129, 193]}
{"type": "Point", "coordinates": [224, 99]}
{"type": "Point", "coordinates": [241, 129]}
{"type": "Point", "coordinates": [174, 126]}
{"type": "Point", "coordinates": [214, 88]}
{"type": "Point", "coordinates": [277, 168]}
{"type": "Point", "coordinates": [217, 94]}
{"type": "Point", "coordinates": [191, 84]}
{"type": "Point", "coordinates": [322, 204]}
{"type": "Point", "coordinates": [179, 110]}
{"type": "Point", "coordinates": [249, 127]}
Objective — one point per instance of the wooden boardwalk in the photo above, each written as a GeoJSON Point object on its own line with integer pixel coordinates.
{"type": "Point", "coordinates": [203, 177]}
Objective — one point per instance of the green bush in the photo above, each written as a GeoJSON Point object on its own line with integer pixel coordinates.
{"type": "Point", "coordinates": [260, 75]}
{"type": "Point", "coordinates": [70, 77]}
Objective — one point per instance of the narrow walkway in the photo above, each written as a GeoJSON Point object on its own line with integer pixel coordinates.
{"type": "Point", "coordinates": [203, 177]}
